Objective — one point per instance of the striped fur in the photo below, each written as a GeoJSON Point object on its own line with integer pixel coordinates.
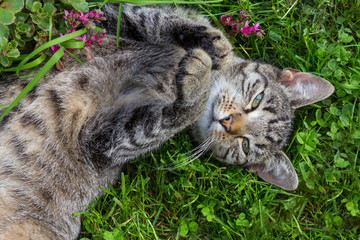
{"type": "Point", "coordinates": [75, 130]}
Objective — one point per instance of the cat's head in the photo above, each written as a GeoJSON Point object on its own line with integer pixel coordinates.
{"type": "Point", "coordinates": [248, 118]}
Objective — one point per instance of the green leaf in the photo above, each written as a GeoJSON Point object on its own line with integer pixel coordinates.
{"type": "Point", "coordinates": [301, 137]}
{"type": "Point", "coordinates": [341, 163]}
{"type": "Point", "coordinates": [49, 9]}
{"type": "Point", "coordinates": [335, 111]}
{"type": "Point", "coordinates": [356, 134]}
{"type": "Point", "coordinates": [242, 223]}
{"type": "Point", "coordinates": [318, 116]}
{"type": "Point", "coordinates": [42, 23]}
{"type": "Point", "coordinates": [193, 226]}
{"type": "Point", "coordinates": [351, 206]}
{"type": "Point", "coordinates": [337, 220]}
{"type": "Point", "coordinates": [205, 211]}
{"type": "Point", "coordinates": [183, 229]}
{"type": "Point", "coordinates": [13, 53]}
{"type": "Point", "coordinates": [13, 6]}
{"type": "Point", "coordinates": [108, 235]}
{"type": "Point", "coordinates": [3, 43]}
{"type": "Point", "coordinates": [82, 7]}
{"type": "Point", "coordinates": [345, 38]}
{"type": "Point", "coordinates": [6, 17]}
{"type": "Point", "coordinates": [21, 17]}
{"type": "Point", "coordinates": [340, 20]}
{"type": "Point", "coordinates": [310, 146]}
{"type": "Point", "coordinates": [344, 120]}
{"type": "Point", "coordinates": [29, 4]}
{"type": "Point", "coordinates": [333, 64]}
{"type": "Point", "coordinates": [12, 45]}
{"type": "Point", "coordinates": [36, 6]}
{"type": "Point", "coordinates": [334, 127]}
{"type": "Point", "coordinates": [23, 27]}
{"type": "Point", "coordinates": [4, 31]}
{"type": "Point", "coordinates": [5, 61]}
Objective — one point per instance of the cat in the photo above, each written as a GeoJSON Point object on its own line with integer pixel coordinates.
{"type": "Point", "coordinates": [251, 106]}
{"type": "Point", "coordinates": [75, 130]}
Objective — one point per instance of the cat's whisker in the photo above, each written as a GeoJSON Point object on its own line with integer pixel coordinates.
{"type": "Point", "coordinates": [196, 153]}
{"type": "Point", "coordinates": [194, 156]}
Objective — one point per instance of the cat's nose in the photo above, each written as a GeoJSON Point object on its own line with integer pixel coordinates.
{"type": "Point", "coordinates": [226, 122]}
{"type": "Point", "coordinates": [234, 124]}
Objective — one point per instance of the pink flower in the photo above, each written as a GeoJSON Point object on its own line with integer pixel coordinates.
{"type": "Point", "coordinates": [83, 38]}
{"type": "Point", "coordinates": [94, 37]}
{"type": "Point", "coordinates": [67, 14]}
{"type": "Point", "coordinates": [255, 27]}
{"type": "Point", "coordinates": [92, 14]}
{"type": "Point", "coordinates": [226, 20]}
{"type": "Point", "coordinates": [246, 30]}
{"type": "Point", "coordinates": [88, 42]}
{"type": "Point", "coordinates": [55, 48]}
{"type": "Point", "coordinates": [70, 31]}
{"type": "Point", "coordinates": [242, 12]}
{"type": "Point", "coordinates": [83, 18]}
{"type": "Point", "coordinates": [236, 27]}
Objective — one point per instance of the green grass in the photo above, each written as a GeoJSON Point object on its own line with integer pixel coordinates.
{"type": "Point", "coordinates": [208, 200]}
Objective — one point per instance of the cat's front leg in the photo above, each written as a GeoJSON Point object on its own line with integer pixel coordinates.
{"type": "Point", "coordinates": [211, 40]}
{"type": "Point", "coordinates": [166, 26]}
{"type": "Point", "coordinates": [130, 132]}
{"type": "Point", "coordinates": [193, 87]}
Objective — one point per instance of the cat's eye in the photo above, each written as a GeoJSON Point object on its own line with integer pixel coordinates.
{"type": "Point", "coordinates": [245, 146]}
{"type": "Point", "coordinates": [257, 100]}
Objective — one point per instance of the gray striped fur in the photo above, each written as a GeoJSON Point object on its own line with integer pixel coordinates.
{"type": "Point", "coordinates": [75, 130]}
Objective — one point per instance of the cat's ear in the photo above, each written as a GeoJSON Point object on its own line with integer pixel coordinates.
{"type": "Point", "coordinates": [304, 88]}
{"type": "Point", "coordinates": [277, 170]}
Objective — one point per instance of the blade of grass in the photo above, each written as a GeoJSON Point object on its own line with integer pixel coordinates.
{"type": "Point", "coordinates": [32, 64]}
{"type": "Point", "coordinates": [47, 45]}
{"type": "Point", "coordinates": [52, 61]}
{"type": "Point", "coordinates": [118, 26]}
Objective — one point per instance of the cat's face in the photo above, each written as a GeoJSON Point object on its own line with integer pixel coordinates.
{"type": "Point", "coordinates": [248, 117]}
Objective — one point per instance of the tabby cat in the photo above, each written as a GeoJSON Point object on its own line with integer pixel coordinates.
{"type": "Point", "coordinates": [75, 130]}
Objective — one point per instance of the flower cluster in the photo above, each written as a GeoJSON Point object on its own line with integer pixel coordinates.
{"type": "Point", "coordinates": [76, 20]}
{"type": "Point", "coordinates": [241, 26]}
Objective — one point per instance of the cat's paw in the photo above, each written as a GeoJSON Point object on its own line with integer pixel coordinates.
{"type": "Point", "coordinates": [211, 41]}
{"type": "Point", "coordinates": [194, 77]}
